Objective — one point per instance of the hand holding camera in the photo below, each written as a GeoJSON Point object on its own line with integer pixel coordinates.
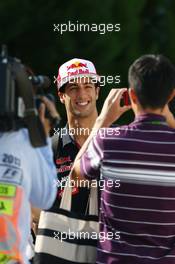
{"type": "Point", "coordinates": [112, 108]}
{"type": "Point", "coordinates": [52, 118]}
{"type": "Point", "coordinates": [19, 102]}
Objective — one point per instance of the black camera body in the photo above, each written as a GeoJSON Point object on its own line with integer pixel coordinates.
{"type": "Point", "coordinates": [17, 100]}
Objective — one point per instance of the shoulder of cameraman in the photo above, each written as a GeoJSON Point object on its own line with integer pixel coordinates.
{"type": "Point", "coordinates": [38, 169]}
{"type": "Point", "coordinates": [31, 168]}
{"type": "Point", "coordinates": [43, 173]}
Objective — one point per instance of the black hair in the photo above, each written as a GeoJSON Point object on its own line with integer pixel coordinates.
{"type": "Point", "coordinates": [153, 79]}
{"type": "Point", "coordinates": [62, 88]}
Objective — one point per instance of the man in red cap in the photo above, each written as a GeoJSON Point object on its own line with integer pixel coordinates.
{"type": "Point", "coordinates": [78, 90]}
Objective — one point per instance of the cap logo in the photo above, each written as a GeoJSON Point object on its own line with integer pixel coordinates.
{"type": "Point", "coordinates": [79, 71]}
{"type": "Point", "coordinates": [75, 68]}
{"type": "Point", "coordinates": [76, 65]}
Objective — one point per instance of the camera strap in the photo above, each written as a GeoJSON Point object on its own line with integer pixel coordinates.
{"type": "Point", "coordinates": [32, 120]}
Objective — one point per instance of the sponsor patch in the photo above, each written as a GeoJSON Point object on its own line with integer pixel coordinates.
{"type": "Point", "coordinates": [6, 206]}
{"type": "Point", "coordinates": [63, 160]}
{"type": "Point", "coordinates": [7, 190]}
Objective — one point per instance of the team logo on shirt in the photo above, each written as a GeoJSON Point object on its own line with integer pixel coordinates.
{"type": "Point", "coordinates": [64, 168]}
{"type": "Point", "coordinates": [63, 160]}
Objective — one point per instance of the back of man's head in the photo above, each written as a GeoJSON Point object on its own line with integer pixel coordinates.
{"type": "Point", "coordinates": [153, 79]}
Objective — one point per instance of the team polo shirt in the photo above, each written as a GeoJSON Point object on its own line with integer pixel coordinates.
{"type": "Point", "coordinates": [137, 211]}
{"type": "Point", "coordinates": [67, 150]}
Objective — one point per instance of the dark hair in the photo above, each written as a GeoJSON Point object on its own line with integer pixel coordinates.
{"type": "Point", "coordinates": [62, 88]}
{"type": "Point", "coordinates": [153, 79]}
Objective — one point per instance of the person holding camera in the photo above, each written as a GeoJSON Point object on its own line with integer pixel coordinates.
{"type": "Point", "coordinates": [27, 170]}
{"type": "Point", "coordinates": [141, 157]}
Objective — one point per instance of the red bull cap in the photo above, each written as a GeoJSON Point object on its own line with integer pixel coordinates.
{"type": "Point", "coordinates": [76, 68]}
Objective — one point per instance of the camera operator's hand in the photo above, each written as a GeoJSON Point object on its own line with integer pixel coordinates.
{"type": "Point", "coordinates": [50, 106]}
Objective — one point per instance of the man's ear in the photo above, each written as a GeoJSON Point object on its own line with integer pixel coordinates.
{"type": "Point", "coordinates": [172, 95]}
{"type": "Point", "coordinates": [97, 89]}
{"type": "Point", "coordinates": [133, 95]}
{"type": "Point", "coordinates": [61, 96]}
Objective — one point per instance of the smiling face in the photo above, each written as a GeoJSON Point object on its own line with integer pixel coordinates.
{"type": "Point", "coordinates": [80, 97]}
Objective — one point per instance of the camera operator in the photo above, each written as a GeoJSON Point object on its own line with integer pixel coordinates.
{"type": "Point", "coordinates": [27, 176]}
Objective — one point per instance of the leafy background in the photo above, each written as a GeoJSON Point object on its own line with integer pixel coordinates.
{"type": "Point", "coordinates": [147, 26]}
